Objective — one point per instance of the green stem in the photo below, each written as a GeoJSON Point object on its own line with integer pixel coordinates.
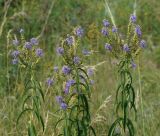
{"type": "Point", "coordinates": [77, 79]}
{"type": "Point", "coordinates": [7, 72]}
{"type": "Point", "coordinates": [66, 125]}
{"type": "Point", "coordinates": [141, 99]}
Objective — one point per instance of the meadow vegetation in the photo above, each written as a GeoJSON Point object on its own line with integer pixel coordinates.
{"type": "Point", "coordinates": [31, 83]}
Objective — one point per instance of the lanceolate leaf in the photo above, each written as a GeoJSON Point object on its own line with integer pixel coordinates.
{"type": "Point", "coordinates": [24, 111]}
{"type": "Point", "coordinates": [92, 130]}
{"type": "Point", "coordinates": [111, 130]}
{"type": "Point", "coordinates": [82, 70]}
{"type": "Point", "coordinates": [130, 127]}
{"type": "Point", "coordinates": [25, 100]}
{"type": "Point", "coordinates": [40, 119]}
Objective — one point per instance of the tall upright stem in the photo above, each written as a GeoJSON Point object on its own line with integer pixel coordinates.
{"type": "Point", "coordinates": [141, 99]}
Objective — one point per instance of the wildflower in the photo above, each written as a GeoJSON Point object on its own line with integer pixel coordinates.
{"type": "Point", "coordinates": [138, 31]}
{"type": "Point", "coordinates": [143, 44]}
{"type": "Point", "coordinates": [106, 23]}
{"type": "Point", "coordinates": [28, 45]}
{"type": "Point", "coordinates": [69, 83]}
{"type": "Point", "coordinates": [34, 41]}
{"type": "Point", "coordinates": [15, 42]}
{"type": "Point", "coordinates": [39, 52]}
{"type": "Point", "coordinates": [90, 72]}
{"type": "Point", "coordinates": [21, 30]}
{"type": "Point", "coordinates": [60, 51]}
{"type": "Point", "coordinates": [76, 60]}
{"type": "Point", "coordinates": [66, 70]}
{"type": "Point", "coordinates": [86, 52]}
{"type": "Point", "coordinates": [49, 81]}
{"type": "Point", "coordinates": [63, 106]}
{"type": "Point", "coordinates": [114, 29]}
{"type": "Point", "coordinates": [15, 54]}
{"type": "Point", "coordinates": [59, 99]}
{"type": "Point", "coordinates": [126, 48]}
{"type": "Point", "coordinates": [14, 61]}
{"type": "Point", "coordinates": [79, 31]}
{"type": "Point", "coordinates": [66, 89]}
{"type": "Point", "coordinates": [69, 40]}
{"type": "Point", "coordinates": [133, 64]}
{"type": "Point", "coordinates": [104, 31]}
{"type": "Point", "coordinates": [133, 18]}
{"type": "Point", "coordinates": [55, 69]}
{"type": "Point", "coordinates": [108, 47]}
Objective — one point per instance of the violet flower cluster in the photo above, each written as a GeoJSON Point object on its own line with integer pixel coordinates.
{"type": "Point", "coordinates": [15, 55]}
{"type": "Point", "coordinates": [26, 50]}
{"type": "Point", "coordinates": [118, 46]}
{"type": "Point", "coordinates": [67, 45]}
{"type": "Point", "coordinates": [60, 101]}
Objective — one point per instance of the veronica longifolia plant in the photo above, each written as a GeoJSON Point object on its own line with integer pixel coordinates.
{"type": "Point", "coordinates": [73, 99]}
{"type": "Point", "coordinates": [125, 50]}
{"type": "Point", "coordinates": [27, 54]}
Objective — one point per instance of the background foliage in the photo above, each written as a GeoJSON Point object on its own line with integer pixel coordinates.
{"type": "Point", "coordinates": [51, 20]}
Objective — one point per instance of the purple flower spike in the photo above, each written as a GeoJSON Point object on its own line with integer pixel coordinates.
{"type": "Point", "coordinates": [138, 31]}
{"type": "Point", "coordinates": [143, 44]}
{"type": "Point", "coordinates": [70, 82]}
{"type": "Point", "coordinates": [66, 70]}
{"type": "Point", "coordinates": [106, 23]}
{"type": "Point", "coordinates": [63, 106]}
{"type": "Point", "coordinates": [104, 31]}
{"type": "Point", "coordinates": [59, 99]}
{"type": "Point", "coordinates": [66, 90]}
{"type": "Point", "coordinates": [34, 41]}
{"type": "Point", "coordinates": [114, 29]}
{"type": "Point", "coordinates": [14, 61]}
{"type": "Point", "coordinates": [76, 60]}
{"type": "Point", "coordinates": [28, 45]}
{"type": "Point", "coordinates": [60, 51]}
{"type": "Point", "coordinates": [69, 40]}
{"type": "Point", "coordinates": [15, 42]}
{"type": "Point", "coordinates": [133, 18]}
{"type": "Point", "coordinates": [15, 54]}
{"type": "Point", "coordinates": [79, 31]}
{"type": "Point", "coordinates": [39, 52]}
{"type": "Point", "coordinates": [108, 47]}
{"type": "Point", "coordinates": [133, 64]}
{"type": "Point", "coordinates": [49, 82]}
{"type": "Point", "coordinates": [126, 48]}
